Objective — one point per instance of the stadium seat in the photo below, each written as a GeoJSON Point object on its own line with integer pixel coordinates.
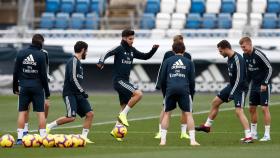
{"type": "Point", "coordinates": [52, 5]}
{"type": "Point", "coordinates": [152, 6]}
{"type": "Point", "coordinates": [198, 6]}
{"type": "Point", "coordinates": [92, 21]}
{"type": "Point", "coordinates": [178, 21]}
{"type": "Point", "coordinates": [228, 6]}
{"type": "Point", "coordinates": [147, 21]}
{"type": "Point", "coordinates": [259, 6]}
{"type": "Point", "coordinates": [193, 21]}
{"type": "Point", "coordinates": [269, 21]}
{"type": "Point", "coordinates": [167, 6]}
{"type": "Point", "coordinates": [183, 6]}
{"type": "Point", "coordinates": [162, 20]}
{"type": "Point", "coordinates": [82, 6]}
{"type": "Point", "coordinates": [256, 20]}
{"type": "Point", "coordinates": [213, 6]}
{"type": "Point", "coordinates": [273, 6]}
{"type": "Point", "coordinates": [47, 20]}
{"type": "Point", "coordinates": [239, 20]}
{"type": "Point", "coordinates": [62, 20]}
{"type": "Point", "coordinates": [67, 6]}
{"type": "Point", "coordinates": [224, 21]}
{"type": "Point", "coordinates": [77, 21]}
{"type": "Point", "coordinates": [96, 6]}
{"type": "Point", "coordinates": [242, 6]}
{"type": "Point", "coordinates": [209, 21]}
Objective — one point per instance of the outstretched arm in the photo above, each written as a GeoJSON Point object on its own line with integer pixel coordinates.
{"type": "Point", "coordinates": [145, 56]}
{"type": "Point", "coordinates": [102, 59]}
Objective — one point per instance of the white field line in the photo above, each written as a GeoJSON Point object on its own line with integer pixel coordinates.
{"type": "Point", "coordinates": [145, 118]}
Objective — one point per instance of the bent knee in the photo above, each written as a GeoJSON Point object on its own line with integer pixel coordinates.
{"type": "Point", "coordinates": [90, 114]}
{"type": "Point", "coordinates": [138, 93]}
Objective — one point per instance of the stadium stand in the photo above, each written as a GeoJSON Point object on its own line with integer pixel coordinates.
{"type": "Point", "coordinates": [259, 6]}
{"type": "Point", "coordinates": [67, 6]}
{"type": "Point", "coordinates": [193, 21]}
{"type": "Point", "coordinates": [152, 6]}
{"type": "Point", "coordinates": [198, 6]}
{"type": "Point", "coordinates": [82, 6]}
{"type": "Point", "coordinates": [269, 21]}
{"type": "Point", "coordinates": [224, 21]}
{"type": "Point", "coordinates": [77, 21]}
{"type": "Point", "coordinates": [147, 21]}
{"type": "Point", "coordinates": [47, 21]}
{"type": "Point", "coordinates": [162, 20]}
{"type": "Point", "coordinates": [61, 21]}
{"type": "Point", "coordinates": [209, 21]}
{"type": "Point", "coordinates": [167, 6]}
{"type": "Point", "coordinates": [178, 21]}
{"type": "Point", "coordinates": [92, 21]}
{"type": "Point", "coordinates": [273, 6]}
{"type": "Point", "coordinates": [183, 6]}
{"type": "Point", "coordinates": [52, 5]}
{"type": "Point", "coordinates": [256, 20]}
{"type": "Point", "coordinates": [213, 6]}
{"type": "Point", "coordinates": [242, 6]}
{"type": "Point", "coordinates": [228, 6]}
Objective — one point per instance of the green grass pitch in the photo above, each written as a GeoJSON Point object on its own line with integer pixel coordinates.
{"type": "Point", "coordinates": [223, 141]}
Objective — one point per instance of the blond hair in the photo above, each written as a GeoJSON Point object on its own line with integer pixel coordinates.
{"type": "Point", "coordinates": [178, 38]}
{"type": "Point", "coordinates": [245, 40]}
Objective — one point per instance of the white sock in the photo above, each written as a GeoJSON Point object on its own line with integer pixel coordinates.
{"type": "Point", "coordinates": [25, 127]}
{"type": "Point", "coordinates": [159, 128]}
{"type": "Point", "coordinates": [20, 133]}
{"type": "Point", "coordinates": [247, 133]}
{"type": "Point", "coordinates": [163, 135]}
{"type": "Point", "coordinates": [52, 125]}
{"type": "Point", "coordinates": [208, 122]}
{"type": "Point", "coordinates": [85, 132]}
{"type": "Point", "coordinates": [267, 130]}
{"type": "Point", "coordinates": [183, 128]}
{"type": "Point", "coordinates": [117, 123]}
{"type": "Point", "coordinates": [192, 135]}
{"type": "Point", "coordinates": [42, 132]}
{"type": "Point", "coordinates": [254, 128]}
{"type": "Point", "coordinates": [125, 110]}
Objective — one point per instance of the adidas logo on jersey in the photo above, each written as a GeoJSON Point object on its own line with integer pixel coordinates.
{"type": "Point", "coordinates": [29, 60]}
{"type": "Point", "coordinates": [178, 65]}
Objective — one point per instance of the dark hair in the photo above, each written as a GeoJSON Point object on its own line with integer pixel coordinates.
{"type": "Point", "coordinates": [127, 32]}
{"type": "Point", "coordinates": [178, 47]}
{"type": "Point", "coordinates": [224, 44]}
{"type": "Point", "coordinates": [38, 40]}
{"type": "Point", "coordinates": [79, 46]}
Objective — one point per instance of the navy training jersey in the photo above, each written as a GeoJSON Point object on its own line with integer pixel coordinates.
{"type": "Point", "coordinates": [73, 77]}
{"type": "Point", "coordinates": [258, 68]}
{"type": "Point", "coordinates": [123, 60]}
{"type": "Point", "coordinates": [30, 69]}
{"type": "Point", "coordinates": [237, 73]}
{"type": "Point", "coordinates": [177, 74]}
{"type": "Point", "coordinates": [167, 55]}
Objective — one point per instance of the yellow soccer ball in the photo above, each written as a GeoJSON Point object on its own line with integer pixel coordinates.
{"type": "Point", "coordinates": [38, 140]}
{"type": "Point", "coordinates": [27, 140]}
{"type": "Point", "coordinates": [7, 141]}
{"type": "Point", "coordinates": [78, 141]}
{"type": "Point", "coordinates": [63, 141]}
{"type": "Point", "coordinates": [120, 131]}
{"type": "Point", "coordinates": [48, 141]}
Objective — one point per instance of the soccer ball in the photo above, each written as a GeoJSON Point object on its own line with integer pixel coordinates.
{"type": "Point", "coordinates": [27, 140]}
{"type": "Point", "coordinates": [120, 131]}
{"type": "Point", "coordinates": [78, 141]}
{"type": "Point", "coordinates": [7, 141]}
{"type": "Point", "coordinates": [63, 141]}
{"type": "Point", "coordinates": [48, 141]}
{"type": "Point", "coordinates": [38, 140]}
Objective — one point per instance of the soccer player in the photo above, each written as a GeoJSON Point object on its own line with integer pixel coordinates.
{"type": "Point", "coordinates": [31, 76]}
{"type": "Point", "coordinates": [124, 54]}
{"type": "Point", "coordinates": [235, 90]}
{"type": "Point", "coordinates": [184, 135]}
{"type": "Point", "coordinates": [259, 74]}
{"type": "Point", "coordinates": [74, 96]}
{"type": "Point", "coordinates": [177, 77]}
{"type": "Point", "coordinates": [47, 102]}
